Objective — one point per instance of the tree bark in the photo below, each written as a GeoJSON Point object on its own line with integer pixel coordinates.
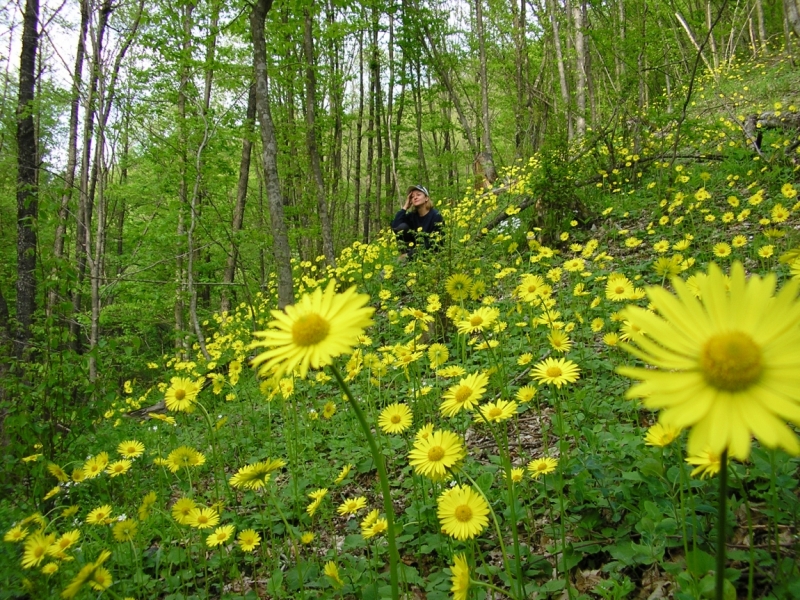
{"type": "Point", "coordinates": [792, 9]}
{"type": "Point", "coordinates": [241, 198]}
{"type": "Point", "coordinates": [27, 188]}
{"type": "Point", "coordinates": [72, 151]}
{"type": "Point", "coordinates": [562, 74]}
{"type": "Point", "coordinates": [486, 134]}
{"type": "Point", "coordinates": [280, 237]}
{"type": "Point", "coordinates": [359, 137]}
{"type": "Point", "coordinates": [580, 68]}
{"type": "Point", "coordinates": [311, 138]}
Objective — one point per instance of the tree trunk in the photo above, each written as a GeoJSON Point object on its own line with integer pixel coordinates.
{"type": "Point", "coordinates": [762, 31]}
{"type": "Point", "coordinates": [486, 134]}
{"type": "Point", "coordinates": [711, 38]}
{"type": "Point", "coordinates": [580, 68]}
{"type": "Point", "coordinates": [27, 188]}
{"type": "Point", "coordinates": [792, 9]}
{"type": "Point", "coordinates": [443, 74]}
{"type": "Point", "coordinates": [72, 151]}
{"type": "Point", "coordinates": [359, 137]}
{"type": "Point", "coordinates": [311, 138]}
{"type": "Point", "coordinates": [562, 74]}
{"type": "Point", "coordinates": [241, 198]}
{"type": "Point", "coordinates": [422, 167]}
{"type": "Point", "coordinates": [280, 237]}
{"type": "Point", "coordinates": [181, 344]}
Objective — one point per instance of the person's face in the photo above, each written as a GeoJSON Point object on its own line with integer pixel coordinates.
{"type": "Point", "coordinates": [418, 198]}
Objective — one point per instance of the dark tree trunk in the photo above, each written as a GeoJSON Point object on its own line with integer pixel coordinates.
{"type": "Point", "coordinates": [27, 189]}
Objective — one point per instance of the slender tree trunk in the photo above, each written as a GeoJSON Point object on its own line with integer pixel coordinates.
{"type": "Point", "coordinates": [762, 31]}
{"type": "Point", "coordinates": [181, 343]}
{"type": "Point", "coordinates": [107, 91]}
{"type": "Point", "coordinates": [72, 151]}
{"type": "Point", "coordinates": [486, 133]}
{"type": "Point", "coordinates": [580, 68]}
{"type": "Point", "coordinates": [370, 148]}
{"type": "Point", "coordinates": [241, 198]}
{"type": "Point", "coordinates": [378, 100]}
{"type": "Point", "coordinates": [520, 74]}
{"type": "Point", "coordinates": [562, 74]}
{"type": "Point", "coordinates": [27, 188]}
{"type": "Point", "coordinates": [280, 237]}
{"type": "Point", "coordinates": [711, 38]}
{"type": "Point", "coordinates": [619, 55]}
{"type": "Point", "coordinates": [311, 139]}
{"type": "Point", "coordinates": [792, 11]}
{"type": "Point", "coordinates": [422, 168]}
{"type": "Point", "coordinates": [359, 137]}
{"type": "Point", "coordinates": [444, 76]}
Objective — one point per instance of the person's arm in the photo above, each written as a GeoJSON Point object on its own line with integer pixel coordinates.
{"type": "Point", "coordinates": [400, 221]}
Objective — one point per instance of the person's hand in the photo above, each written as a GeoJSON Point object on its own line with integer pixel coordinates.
{"type": "Point", "coordinates": [407, 204]}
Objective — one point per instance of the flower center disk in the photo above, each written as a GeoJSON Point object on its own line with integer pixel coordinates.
{"type": "Point", "coordinates": [436, 454]}
{"type": "Point", "coordinates": [463, 513]}
{"type": "Point", "coordinates": [731, 361]}
{"type": "Point", "coordinates": [462, 394]}
{"type": "Point", "coordinates": [310, 329]}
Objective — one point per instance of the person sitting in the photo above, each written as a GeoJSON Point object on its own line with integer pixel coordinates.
{"type": "Point", "coordinates": [417, 222]}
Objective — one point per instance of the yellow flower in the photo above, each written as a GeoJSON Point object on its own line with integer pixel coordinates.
{"type": "Point", "coordinates": [517, 474]}
{"type": "Point", "coordinates": [248, 540]}
{"type": "Point", "coordinates": [542, 466]}
{"type": "Point", "coordinates": [220, 536]}
{"type": "Point", "coordinates": [309, 334]}
{"type": "Point", "coordinates": [50, 568]}
{"type": "Point", "coordinates": [432, 457]}
{"type": "Point", "coordinates": [181, 395]}
{"type": "Point", "coordinates": [342, 474]}
{"type": "Point", "coordinates": [495, 412]}
{"type": "Point", "coordinates": [728, 366]}
{"type": "Point", "coordinates": [707, 464]}
{"type": "Point", "coordinates": [87, 572]}
{"type": "Point", "coordinates": [119, 467]}
{"type": "Point", "coordinates": [181, 510]}
{"type": "Point", "coordinates": [458, 286]}
{"type": "Point", "coordinates": [332, 571]}
{"type": "Point", "coordinates": [524, 359]}
{"type": "Point", "coordinates": [307, 538]}
{"type": "Point", "coordinates": [661, 435]}
{"type": "Point", "coordinates": [125, 530]}
{"type": "Point", "coordinates": [352, 505]}
{"type": "Point", "coordinates": [556, 371]}
{"type": "Point", "coordinates": [378, 527]}
{"type": "Point", "coordinates": [438, 355]}
{"type": "Point", "coordinates": [16, 533]}
{"type": "Point", "coordinates": [100, 515]}
{"type": "Point", "coordinates": [256, 476]}
{"type": "Point", "coordinates": [202, 518]}
{"type": "Point", "coordinates": [100, 579]}
{"type": "Point", "coordinates": [52, 492]}
{"type": "Point", "coordinates": [525, 394]}
{"type": "Point", "coordinates": [451, 371]}
{"type": "Point", "coordinates": [57, 472]}
{"type": "Point", "coordinates": [460, 577]}
{"type": "Point", "coordinates": [559, 341]}
{"type": "Point", "coordinates": [95, 465]}
{"type": "Point", "coordinates": [619, 288]}
{"type": "Point", "coordinates": [739, 241]}
{"type": "Point", "coordinates": [316, 496]}
{"type": "Point", "coordinates": [462, 512]}
{"type": "Point", "coordinates": [721, 250]}
{"type": "Point", "coordinates": [328, 410]}
{"type": "Point", "coordinates": [184, 457]}
{"type": "Point", "coordinates": [465, 395]}
{"type": "Point", "coordinates": [766, 251]}
{"type": "Point", "coordinates": [479, 320]}
{"type": "Point", "coordinates": [131, 449]}
{"type": "Point", "coordinates": [36, 549]}
{"type": "Point", "coordinates": [147, 502]}
{"type": "Point", "coordinates": [63, 543]}
{"type": "Point", "coordinates": [395, 418]}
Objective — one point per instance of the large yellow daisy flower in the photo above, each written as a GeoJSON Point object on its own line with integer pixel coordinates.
{"type": "Point", "coordinates": [478, 320]}
{"type": "Point", "coordinates": [433, 456]}
{"type": "Point", "coordinates": [395, 418]}
{"type": "Point", "coordinates": [727, 366]}
{"type": "Point", "coordinates": [257, 475]}
{"type": "Point", "coordinates": [458, 286]}
{"type": "Point", "coordinates": [181, 394]}
{"type": "Point", "coordinates": [321, 326]}
{"type": "Point", "coordinates": [495, 412]}
{"type": "Point", "coordinates": [465, 395]}
{"type": "Point", "coordinates": [462, 512]}
{"type": "Point", "coordinates": [556, 371]}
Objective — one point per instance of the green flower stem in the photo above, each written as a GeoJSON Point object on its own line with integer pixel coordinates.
{"type": "Point", "coordinates": [488, 586]}
{"type": "Point", "coordinates": [721, 514]}
{"type": "Point", "coordinates": [290, 533]}
{"type": "Point", "coordinates": [751, 570]}
{"type": "Point", "coordinates": [496, 528]}
{"type": "Point", "coordinates": [214, 452]}
{"type": "Point", "coordinates": [561, 457]}
{"type": "Point", "coordinates": [388, 508]}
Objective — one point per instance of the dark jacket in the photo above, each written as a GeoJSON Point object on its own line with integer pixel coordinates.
{"type": "Point", "coordinates": [413, 229]}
